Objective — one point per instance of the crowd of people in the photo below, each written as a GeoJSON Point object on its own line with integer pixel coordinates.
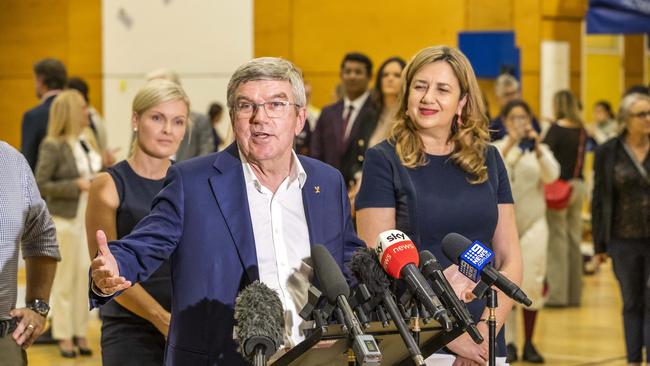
{"type": "Point", "coordinates": [417, 152]}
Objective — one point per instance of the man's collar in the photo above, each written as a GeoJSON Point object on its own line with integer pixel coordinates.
{"type": "Point", "coordinates": [357, 103]}
{"type": "Point", "coordinates": [50, 93]}
{"type": "Point", "coordinates": [296, 172]}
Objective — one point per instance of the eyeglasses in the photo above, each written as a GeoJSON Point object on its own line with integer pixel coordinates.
{"type": "Point", "coordinates": [644, 114]}
{"type": "Point", "coordinates": [273, 109]}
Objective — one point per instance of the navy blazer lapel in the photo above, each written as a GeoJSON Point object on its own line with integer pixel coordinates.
{"type": "Point", "coordinates": [312, 201]}
{"type": "Point", "coordinates": [358, 125]}
{"type": "Point", "coordinates": [229, 190]}
{"type": "Point", "coordinates": [337, 124]}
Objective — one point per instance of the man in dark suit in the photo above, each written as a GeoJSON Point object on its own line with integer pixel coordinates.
{"type": "Point", "coordinates": [344, 128]}
{"type": "Point", "coordinates": [50, 78]}
{"type": "Point", "coordinates": [251, 212]}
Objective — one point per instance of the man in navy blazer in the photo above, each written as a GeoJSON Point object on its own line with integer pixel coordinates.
{"type": "Point", "coordinates": [50, 78]}
{"type": "Point", "coordinates": [227, 219]}
{"type": "Point", "coordinates": [344, 128]}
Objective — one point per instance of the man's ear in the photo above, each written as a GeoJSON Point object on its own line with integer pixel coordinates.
{"type": "Point", "coordinates": [301, 120]}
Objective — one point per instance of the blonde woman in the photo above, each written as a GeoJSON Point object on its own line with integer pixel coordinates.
{"type": "Point", "coordinates": [437, 174]}
{"type": "Point", "coordinates": [119, 199]}
{"type": "Point", "coordinates": [566, 138]}
{"type": "Point", "coordinates": [65, 167]}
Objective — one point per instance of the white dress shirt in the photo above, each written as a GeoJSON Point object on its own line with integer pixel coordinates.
{"type": "Point", "coordinates": [357, 104]}
{"type": "Point", "coordinates": [282, 241]}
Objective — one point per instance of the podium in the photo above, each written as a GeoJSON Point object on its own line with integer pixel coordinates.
{"type": "Point", "coordinates": [328, 344]}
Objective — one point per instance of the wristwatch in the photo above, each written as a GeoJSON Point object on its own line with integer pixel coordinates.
{"type": "Point", "coordinates": [39, 306]}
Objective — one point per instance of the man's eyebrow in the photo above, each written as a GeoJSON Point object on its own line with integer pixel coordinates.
{"type": "Point", "coordinates": [279, 95]}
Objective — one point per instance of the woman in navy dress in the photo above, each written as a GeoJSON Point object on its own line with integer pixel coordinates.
{"type": "Point", "coordinates": [436, 174]}
{"type": "Point", "coordinates": [135, 325]}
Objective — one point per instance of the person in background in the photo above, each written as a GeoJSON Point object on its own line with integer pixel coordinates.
{"type": "Point", "coordinates": [620, 214]}
{"type": "Point", "coordinates": [118, 200]}
{"type": "Point", "coordinates": [215, 114]}
{"type": "Point", "coordinates": [96, 123]}
{"type": "Point", "coordinates": [344, 128]}
{"type": "Point", "coordinates": [436, 174]}
{"type": "Point", "coordinates": [26, 227]}
{"type": "Point", "coordinates": [303, 139]}
{"type": "Point", "coordinates": [313, 112]}
{"type": "Point", "coordinates": [198, 140]}
{"type": "Point", "coordinates": [65, 167]}
{"type": "Point", "coordinates": [385, 93]}
{"type": "Point", "coordinates": [530, 165]}
{"type": "Point", "coordinates": [567, 139]}
{"type": "Point", "coordinates": [506, 88]}
{"type": "Point", "coordinates": [604, 126]}
{"type": "Point", "coordinates": [49, 80]}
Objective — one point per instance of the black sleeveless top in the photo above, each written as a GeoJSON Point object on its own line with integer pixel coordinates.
{"type": "Point", "coordinates": [136, 195]}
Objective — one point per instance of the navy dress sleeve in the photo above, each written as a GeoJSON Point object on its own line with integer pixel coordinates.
{"type": "Point", "coordinates": [504, 192]}
{"type": "Point", "coordinates": [377, 185]}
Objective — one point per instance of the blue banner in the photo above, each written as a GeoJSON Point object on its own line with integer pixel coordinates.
{"type": "Point", "coordinates": [618, 16]}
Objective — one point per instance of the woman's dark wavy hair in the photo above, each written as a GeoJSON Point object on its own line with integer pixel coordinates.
{"type": "Point", "coordinates": [377, 93]}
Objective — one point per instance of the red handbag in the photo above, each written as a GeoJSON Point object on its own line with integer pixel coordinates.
{"type": "Point", "coordinates": [558, 193]}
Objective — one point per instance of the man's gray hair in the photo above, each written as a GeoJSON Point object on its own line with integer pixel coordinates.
{"type": "Point", "coordinates": [627, 103]}
{"type": "Point", "coordinates": [504, 81]}
{"type": "Point", "coordinates": [267, 68]}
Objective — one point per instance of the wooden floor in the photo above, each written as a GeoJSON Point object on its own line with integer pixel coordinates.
{"type": "Point", "coordinates": [586, 336]}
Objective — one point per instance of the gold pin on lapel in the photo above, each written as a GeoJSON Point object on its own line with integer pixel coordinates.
{"type": "Point", "coordinates": [317, 189]}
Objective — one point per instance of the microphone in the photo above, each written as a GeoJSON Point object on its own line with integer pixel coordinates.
{"type": "Point", "coordinates": [260, 323]}
{"type": "Point", "coordinates": [399, 257]}
{"type": "Point", "coordinates": [337, 291]}
{"type": "Point", "coordinates": [365, 267]}
{"type": "Point", "coordinates": [432, 270]}
{"type": "Point", "coordinates": [472, 259]}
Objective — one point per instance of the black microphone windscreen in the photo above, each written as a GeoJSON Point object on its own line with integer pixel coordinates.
{"type": "Point", "coordinates": [428, 259]}
{"type": "Point", "coordinates": [329, 274]}
{"type": "Point", "coordinates": [259, 313]}
{"type": "Point", "coordinates": [453, 245]}
{"type": "Point", "coordinates": [366, 269]}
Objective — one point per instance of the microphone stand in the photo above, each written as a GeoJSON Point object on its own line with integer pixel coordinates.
{"type": "Point", "coordinates": [492, 303]}
{"type": "Point", "coordinates": [483, 290]}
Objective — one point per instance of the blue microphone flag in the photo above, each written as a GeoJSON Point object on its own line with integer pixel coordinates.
{"type": "Point", "coordinates": [474, 259]}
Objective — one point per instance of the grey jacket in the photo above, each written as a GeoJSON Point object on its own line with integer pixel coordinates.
{"type": "Point", "coordinates": [199, 141]}
{"type": "Point", "coordinates": [56, 176]}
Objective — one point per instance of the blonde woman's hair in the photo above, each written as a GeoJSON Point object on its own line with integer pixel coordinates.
{"type": "Point", "coordinates": [155, 92]}
{"type": "Point", "coordinates": [66, 118]}
{"type": "Point", "coordinates": [565, 106]}
{"type": "Point", "coordinates": [470, 137]}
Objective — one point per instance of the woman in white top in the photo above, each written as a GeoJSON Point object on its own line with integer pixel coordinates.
{"type": "Point", "coordinates": [65, 167]}
{"type": "Point", "coordinates": [530, 165]}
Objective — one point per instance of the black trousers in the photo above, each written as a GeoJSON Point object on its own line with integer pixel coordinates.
{"type": "Point", "coordinates": [131, 342]}
{"type": "Point", "coordinates": [631, 259]}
